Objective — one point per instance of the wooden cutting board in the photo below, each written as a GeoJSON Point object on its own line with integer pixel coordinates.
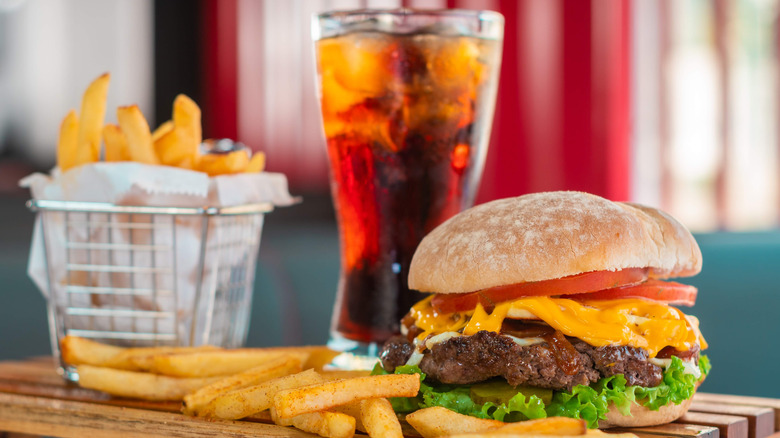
{"type": "Point", "coordinates": [34, 399]}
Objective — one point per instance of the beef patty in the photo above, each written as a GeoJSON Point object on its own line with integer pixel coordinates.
{"type": "Point", "coordinates": [486, 354]}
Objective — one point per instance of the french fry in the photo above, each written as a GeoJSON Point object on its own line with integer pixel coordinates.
{"type": "Point", "coordinates": [133, 358]}
{"type": "Point", "coordinates": [353, 410]}
{"type": "Point", "coordinates": [170, 149]}
{"type": "Point", "coordinates": [256, 163]}
{"type": "Point", "coordinates": [438, 421]}
{"type": "Point", "coordinates": [186, 117]}
{"type": "Point", "coordinates": [223, 164]}
{"type": "Point", "coordinates": [326, 424]}
{"type": "Point", "coordinates": [216, 363]}
{"type": "Point", "coordinates": [116, 143]}
{"type": "Point", "coordinates": [139, 138]}
{"type": "Point", "coordinates": [67, 143]}
{"type": "Point", "coordinates": [293, 402]}
{"type": "Point", "coordinates": [135, 384]}
{"type": "Point", "coordinates": [343, 374]}
{"type": "Point", "coordinates": [93, 112]}
{"type": "Point", "coordinates": [496, 434]}
{"type": "Point", "coordinates": [161, 130]}
{"type": "Point", "coordinates": [186, 114]}
{"type": "Point", "coordinates": [379, 419]}
{"type": "Point", "coordinates": [545, 426]}
{"type": "Point", "coordinates": [247, 401]}
{"type": "Point", "coordinates": [318, 357]}
{"type": "Point", "coordinates": [81, 351]}
{"type": "Point", "coordinates": [274, 368]}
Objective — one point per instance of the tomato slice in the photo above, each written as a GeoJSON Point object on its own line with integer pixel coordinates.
{"type": "Point", "coordinates": [574, 284]}
{"type": "Point", "coordinates": [667, 292]}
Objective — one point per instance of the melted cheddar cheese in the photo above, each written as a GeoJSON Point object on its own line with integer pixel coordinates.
{"type": "Point", "coordinates": [636, 322]}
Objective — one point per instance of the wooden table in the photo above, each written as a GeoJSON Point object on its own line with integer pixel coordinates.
{"type": "Point", "coordinates": [35, 400]}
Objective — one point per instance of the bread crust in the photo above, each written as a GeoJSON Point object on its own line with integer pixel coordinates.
{"type": "Point", "coordinates": [642, 416]}
{"type": "Point", "coordinates": [549, 235]}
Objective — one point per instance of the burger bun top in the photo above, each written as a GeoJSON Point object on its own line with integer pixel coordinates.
{"type": "Point", "coordinates": [544, 236]}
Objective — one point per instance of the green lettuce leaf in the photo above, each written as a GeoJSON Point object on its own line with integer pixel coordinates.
{"type": "Point", "coordinates": [589, 403]}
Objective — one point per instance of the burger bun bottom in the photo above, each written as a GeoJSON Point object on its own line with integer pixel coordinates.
{"type": "Point", "coordinates": [642, 416]}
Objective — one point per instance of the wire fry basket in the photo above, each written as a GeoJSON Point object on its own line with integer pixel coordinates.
{"type": "Point", "coordinates": [149, 276]}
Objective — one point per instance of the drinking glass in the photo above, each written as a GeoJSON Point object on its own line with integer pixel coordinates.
{"type": "Point", "coordinates": [407, 100]}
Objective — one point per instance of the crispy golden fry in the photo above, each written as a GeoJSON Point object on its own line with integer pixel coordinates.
{"type": "Point", "coordinates": [186, 117]}
{"type": "Point", "coordinates": [353, 410]}
{"type": "Point", "coordinates": [139, 138]}
{"type": "Point", "coordinates": [247, 401]}
{"type": "Point", "coordinates": [135, 384]}
{"type": "Point", "coordinates": [326, 424]}
{"type": "Point", "coordinates": [439, 421]}
{"type": "Point", "coordinates": [545, 426]}
{"type": "Point", "coordinates": [274, 368]}
{"type": "Point", "coordinates": [161, 130]}
{"type": "Point", "coordinates": [216, 363]}
{"type": "Point", "coordinates": [67, 143]}
{"type": "Point", "coordinates": [379, 419]}
{"type": "Point", "coordinates": [223, 164]}
{"type": "Point", "coordinates": [116, 143]}
{"type": "Point", "coordinates": [93, 112]}
{"type": "Point", "coordinates": [292, 402]}
{"type": "Point", "coordinates": [186, 113]}
{"type": "Point", "coordinates": [80, 351]}
{"type": "Point", "coordinates": [256, 164]}
{"type": "Point", "coordinates": [170, 147]}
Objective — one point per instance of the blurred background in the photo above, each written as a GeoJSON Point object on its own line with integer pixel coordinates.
{"type": "Point", "coordinates": [673, 103]}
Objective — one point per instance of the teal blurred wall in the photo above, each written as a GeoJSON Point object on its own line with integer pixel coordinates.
{"type": "Point", "coordinates": [738, 304]}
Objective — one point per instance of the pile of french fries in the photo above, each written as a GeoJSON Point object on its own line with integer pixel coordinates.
{"type": "Point", "coordinates": [287, 385]}
{"type": "Point", "coordinates": [174, 143]}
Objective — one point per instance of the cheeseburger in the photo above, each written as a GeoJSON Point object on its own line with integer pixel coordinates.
{"type": "Point", "coordinates": [554, 304]}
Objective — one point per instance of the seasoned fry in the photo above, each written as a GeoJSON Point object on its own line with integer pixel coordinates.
{"type": "Point", "coordinates": [251, 400]}
{"type": "Point", "coordinates": [292, 402]}
{"type": "Point", "coordinates": [439, 421]}
{"type": "Point", "coordinates": [353, 410]}
{"type": "Point", "coordinates": [161, 130]}
{"type": "Point", "coordinates": [256, 164]}
{"type": "Point", "coordinates": [343, 374]}
{"type": "Point", "coordinates": [326, 424]}
{"type": "Point", "coordinates": [67, 143]}
{"type": "Point", "coordinates": [216, 363]}
{"type": "Point", "coordinates": [116, 143]}
{"type": "Point", "coordinates": [274, 368]}
{"type": "Point", "coordinates": [139, 138]}
{"type": "Point", "coordinates": [545, 426]}
{"type": "Point", "coordinates": [93, 112]}
{"type": "Point", "coordinates": [379, 419]}
{"type": "Point", "coordinates": [222, 164]}
{"type": "Point", "coordinates": [137, 385]}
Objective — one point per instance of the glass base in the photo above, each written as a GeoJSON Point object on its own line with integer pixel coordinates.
{"type": "Point", "coordinates": [68, 373]}
{"type": "Point", "coordinates": [354, 355]}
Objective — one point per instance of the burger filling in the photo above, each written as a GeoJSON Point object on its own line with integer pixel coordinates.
{"type": "Point", "coordinates": [586, 355]}
{"type": "Point", "coordinates": [557, 362]}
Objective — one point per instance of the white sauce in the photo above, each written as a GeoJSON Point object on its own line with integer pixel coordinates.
{"type": "Point", "coordinates": [688, 366]}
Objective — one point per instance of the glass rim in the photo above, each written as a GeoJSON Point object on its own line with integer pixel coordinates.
{"type": "Point", "coordinates": [482, 15]}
